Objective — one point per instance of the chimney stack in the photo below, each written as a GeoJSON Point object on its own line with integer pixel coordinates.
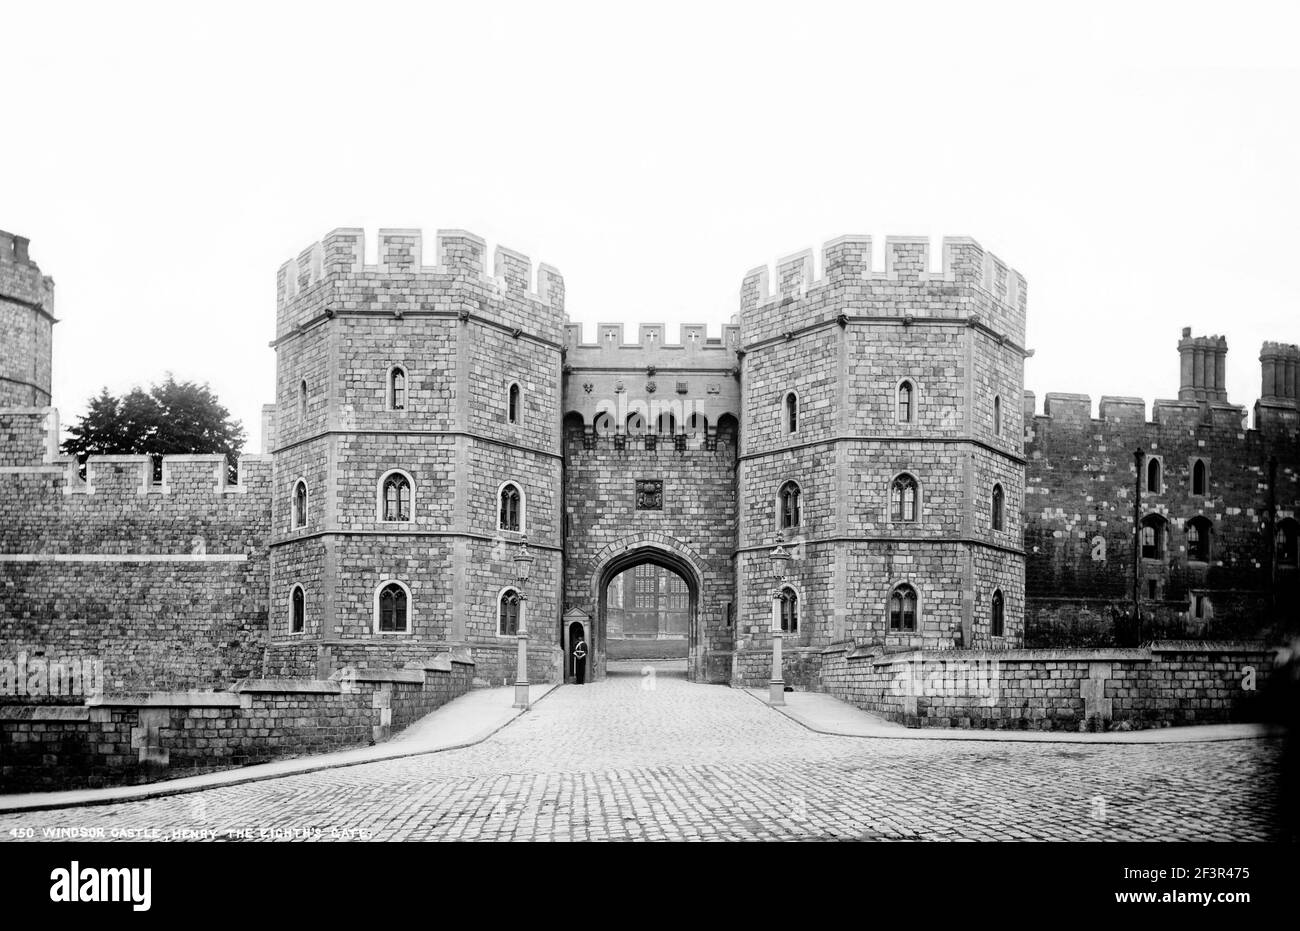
{"type": "Point", "coordinates": [1203, 364]}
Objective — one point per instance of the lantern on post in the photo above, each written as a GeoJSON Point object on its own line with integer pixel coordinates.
{"type": "Point", "coordinates": [523, 569]}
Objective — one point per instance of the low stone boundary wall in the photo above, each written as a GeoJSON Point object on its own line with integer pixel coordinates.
{"type": "Point", "coordinates": [801, 667]}
{"type": "Point", "coordinates": [132, 739]}
{"type": "Point", "coordinates": [494, 663]}
{"type": "Point", "coordinates": [1164, 683]}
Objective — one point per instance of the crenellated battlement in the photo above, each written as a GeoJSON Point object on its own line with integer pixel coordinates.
{"type": "Point", "coordinates": [848, 259]}
{"type": "Point", "coordinates": [31, 446]}
{"type": "Point", "coordinates": [20, 277]}
{"type": "Point", "coordinates": [1065, 408]}
{"type": "Point", "coordinates": [695, 347]}
{"type": "Point", "coordinates": [26, 326]}
{"type": "Point", "coordinates": [182, 475]}
{"type": "Point", "coordinates": [1202, 396]}
{"type": "Point", "coordinates": [459, 254]}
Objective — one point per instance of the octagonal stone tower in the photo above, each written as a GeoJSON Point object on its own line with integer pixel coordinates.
{"type": "Point", "coordinates": [890, 402]}
{"type": "Point", "coordinates": [26, 326]}
{"type": "Point", "coordinates": [408, 397]}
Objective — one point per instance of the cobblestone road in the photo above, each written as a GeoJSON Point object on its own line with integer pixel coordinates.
{"type": "Point", "coordinates": [681, 761]}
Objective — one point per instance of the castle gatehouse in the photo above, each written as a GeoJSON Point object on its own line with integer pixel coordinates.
{"type": "Point", "coordinates": [450, 472]}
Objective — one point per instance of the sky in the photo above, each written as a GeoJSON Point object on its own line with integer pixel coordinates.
{"type": "Point", "coordinates": [1136, 162]}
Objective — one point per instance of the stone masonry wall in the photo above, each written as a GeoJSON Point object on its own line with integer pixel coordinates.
{"type": "Point", "coordinates": [843, 344]}
{"type": "Point", "coordinates": [696, 523]}
{"type": "Point", "coordinates": [165, 584]}
{"type": "Point", "coordinates": [1079, 504]}
{"type": "Point", "coordinates": [131, 740]}
{"type": "Point", "coordinates": [462, 333]}
{"type": "Point", "coordinates": [1165, 683]}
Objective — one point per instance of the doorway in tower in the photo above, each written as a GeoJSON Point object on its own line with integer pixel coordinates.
{"type": "Point", "coordinates": [647, 614]}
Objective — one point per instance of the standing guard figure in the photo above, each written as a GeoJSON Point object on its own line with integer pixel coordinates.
{"type": "Point", "coordinates": [579, 661]}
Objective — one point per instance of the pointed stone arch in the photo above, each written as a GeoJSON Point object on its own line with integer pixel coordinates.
{"type": "Point", "coordinates": [634, 550]}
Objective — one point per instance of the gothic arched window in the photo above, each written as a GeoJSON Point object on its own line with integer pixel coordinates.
{"type": "Point", "coordinates": [906, 402]}
{"type": "Point", "coordinates": [397, 388]}
{"type": "Point", "coordinates": [903, 498]}
{"type": "Point", "coordinates": [1198, 477]}
{"type": "Point", "coordinates": [508, 609]}
{"type": "Point", "coordinates": [395, 497]}
{"type": "Point", "coordinates": [299, 505]}
{"type": "Point", "coordinates": [789, 505]}
{"type": "Point", "coordinates": [791, 412]}
{"type": "Point", "coordinates": [998, 502]}
{"type": "Point", "coordinates": [902, 608]}
{"type": "Point", "coordinates": [298, 610]}
{"type": "Point", "coordinates": [512, 404]}
{"type": "Point", "coordinates": [1153, 476]}
{"type": "Point", "coordinates": [510, 510]}
{"type": "Point", "coordinates": [391, 608]}
{"type": "Point", "coordinates": [998, 621]}
{"type": "Point", "coordinates": [789, 610]}
{"type": "Point", "coordinates": [997, 415]}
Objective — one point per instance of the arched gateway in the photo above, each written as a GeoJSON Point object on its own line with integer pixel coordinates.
{"type": "Point", "coordinates": [640, 550]}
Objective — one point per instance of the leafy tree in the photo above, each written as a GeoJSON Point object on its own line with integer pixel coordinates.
{"type": "Point", "coordinates": [171, 418]}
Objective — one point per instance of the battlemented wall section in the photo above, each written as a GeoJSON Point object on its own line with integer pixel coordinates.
{"type": "Point", "coordinates": [1221, 501]}
{"type": "Point", "coordinates": [164, 584]}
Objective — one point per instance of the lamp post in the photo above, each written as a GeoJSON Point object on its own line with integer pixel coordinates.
{"type": "Point", "coordinates": [780, 559]}
{"type": "Point", "coordinates": [523, 566]}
